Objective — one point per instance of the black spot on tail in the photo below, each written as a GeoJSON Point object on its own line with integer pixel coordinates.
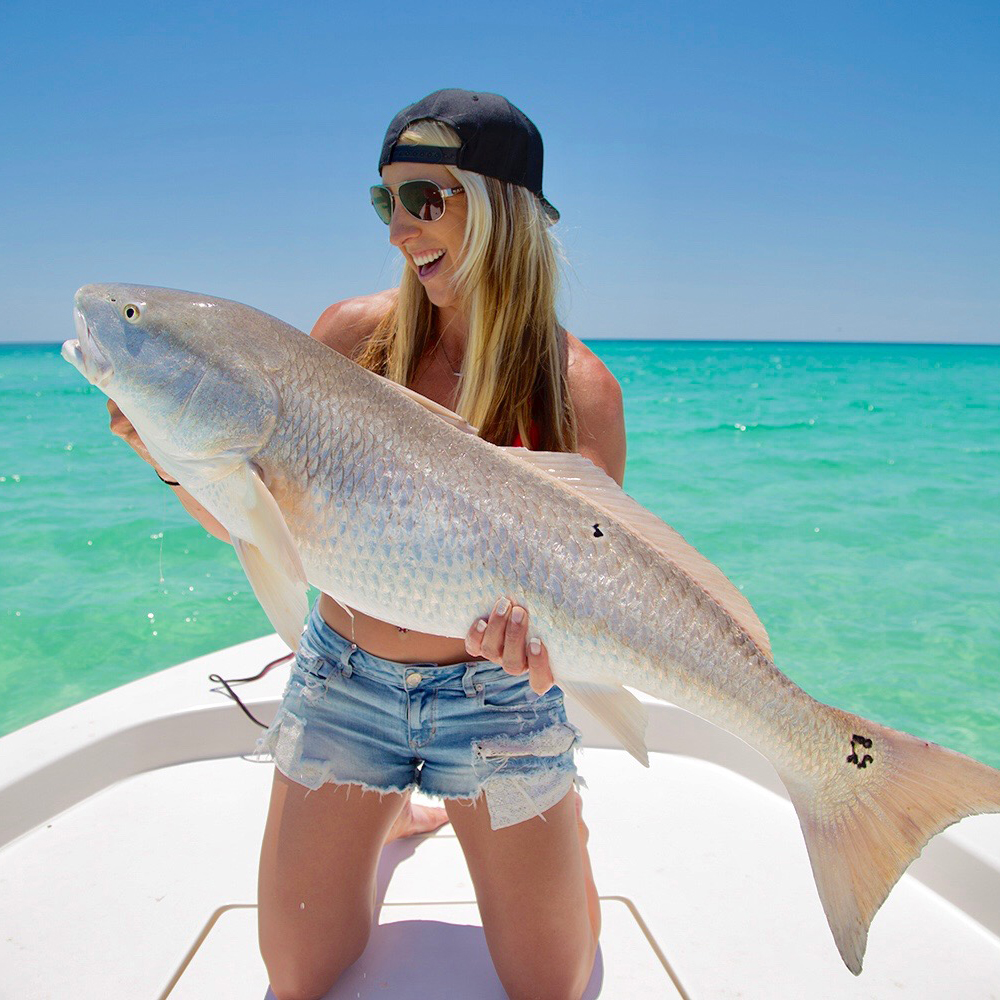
{"type": "Point", "coordinates": [865, 759]}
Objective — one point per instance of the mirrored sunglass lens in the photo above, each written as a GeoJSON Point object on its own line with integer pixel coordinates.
{"type": "Point", "coordinates": [382, 200]}
{"type": "Point", "coordinates": [422, 200]}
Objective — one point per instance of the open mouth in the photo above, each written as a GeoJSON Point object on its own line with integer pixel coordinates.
{"type": "Point", "coordinates": [428, 262]}
{"type": "Point", "coordinates": [85, 354]}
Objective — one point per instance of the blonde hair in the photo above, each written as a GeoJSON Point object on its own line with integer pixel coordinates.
{"type": "Point", "coordinates": [514, 374]}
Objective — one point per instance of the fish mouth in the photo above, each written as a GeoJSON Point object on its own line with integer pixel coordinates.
{"type": "Point", "coordinates": [85, 354]}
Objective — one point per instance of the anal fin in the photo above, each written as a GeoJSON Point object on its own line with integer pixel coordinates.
{"type": "Point", "coordinates": [617, 709]}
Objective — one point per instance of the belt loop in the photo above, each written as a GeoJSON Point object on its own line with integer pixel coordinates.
{"type": "Point", "coordinates": [345, 658]}
{"type": "Point", "coordinates": [469, 684]}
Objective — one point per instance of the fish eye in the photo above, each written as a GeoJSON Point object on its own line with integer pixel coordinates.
{"type": "Point", "coordinates": [131, 313]}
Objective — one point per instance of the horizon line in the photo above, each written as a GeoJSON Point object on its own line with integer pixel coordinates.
{"type": "Point", "coordinates": [678, 340]}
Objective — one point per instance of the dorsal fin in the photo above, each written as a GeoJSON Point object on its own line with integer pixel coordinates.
{"type": "Point", "coordinates": [428, 404]}
{"type": "Point", "coordinates": [581, 475]}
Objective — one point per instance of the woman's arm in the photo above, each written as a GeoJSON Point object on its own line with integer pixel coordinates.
{"type": "Point", "coordinates": [600, 414]}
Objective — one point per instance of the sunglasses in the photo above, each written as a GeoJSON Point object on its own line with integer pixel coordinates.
{"type": "Point", "coordinates": [424, 200]}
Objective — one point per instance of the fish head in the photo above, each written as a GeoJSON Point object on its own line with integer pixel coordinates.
{"type": "Point", "coordinates": [186, 369]}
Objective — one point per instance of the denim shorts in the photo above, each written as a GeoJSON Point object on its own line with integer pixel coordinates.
{"type": "Point", "coordinates": [457, 731]}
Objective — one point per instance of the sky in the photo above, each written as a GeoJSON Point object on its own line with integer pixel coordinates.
{"type": "Point", "coordinates": [748, 171]}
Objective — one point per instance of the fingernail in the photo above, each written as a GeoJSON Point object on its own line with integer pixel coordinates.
{"type": "Point", "coordinates": [535, 645]}
{"type": "Point", "coordinates": [517, 616]}
{"type": "Point", "coordinates": [481, 625]}
{"type": "Point", "coordinates": [502, 605]}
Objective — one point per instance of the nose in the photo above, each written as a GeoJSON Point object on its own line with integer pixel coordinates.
{"type": "Point", "coordinates": [402, 225]}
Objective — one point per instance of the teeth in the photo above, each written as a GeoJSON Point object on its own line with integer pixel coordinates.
{"type": "Point", "coordinates": [425, 258]}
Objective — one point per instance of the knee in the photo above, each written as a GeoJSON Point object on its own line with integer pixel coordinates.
{"type": "Point", "coordinates": [564, 980]}
{"type": "Point", "coordinates": [310, 977]}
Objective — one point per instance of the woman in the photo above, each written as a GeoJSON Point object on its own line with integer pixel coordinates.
{"type": "Point", "coordinates": [472, 326]}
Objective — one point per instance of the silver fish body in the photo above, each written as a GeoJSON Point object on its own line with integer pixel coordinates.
{"type": "Point", "coordinates": [410, 519]}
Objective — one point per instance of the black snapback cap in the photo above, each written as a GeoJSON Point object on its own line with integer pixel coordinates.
{"type": "Point", "coordinates": [498, 139]}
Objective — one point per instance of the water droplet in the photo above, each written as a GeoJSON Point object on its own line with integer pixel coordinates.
{"type": "Point", "coordinates": [150, 616]}
{"type": "Point", "coordinates": [89, 542]}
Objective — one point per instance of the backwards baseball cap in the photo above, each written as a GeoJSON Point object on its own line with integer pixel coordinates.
{"type": "Point", "coordinates": [498, 139]}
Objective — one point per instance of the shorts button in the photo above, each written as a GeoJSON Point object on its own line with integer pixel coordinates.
{"type": "Point", "coordinates": [412, 680]}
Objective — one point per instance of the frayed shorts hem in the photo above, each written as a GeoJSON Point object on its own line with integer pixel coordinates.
{"type": "Point", "coordinates": [510, 799]}
{"type": "Point", "coordinates": [459, 732]}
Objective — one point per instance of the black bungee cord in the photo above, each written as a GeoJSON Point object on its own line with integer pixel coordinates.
{"type": "Point", "coordinates": [230, 693]}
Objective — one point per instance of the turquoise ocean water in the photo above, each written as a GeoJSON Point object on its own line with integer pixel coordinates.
{"type": "Point", "coordinates": [851, 491]}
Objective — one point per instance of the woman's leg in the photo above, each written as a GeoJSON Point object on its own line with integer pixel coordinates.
{"type": "Point", "coordinates": [316, 887]}
{"type": "Point", "coordinates": [536, 895]}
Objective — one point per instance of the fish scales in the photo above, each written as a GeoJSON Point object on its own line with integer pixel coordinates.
{"type": "Point", "coordinates": [429, 546]}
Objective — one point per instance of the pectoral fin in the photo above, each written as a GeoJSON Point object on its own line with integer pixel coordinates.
{"type": "Point", "coordinates": [270, 559]}
{"type": "Point", "coordinates": [268, 530]}
{"type": "Point", "coordinates": [283, 599]}
{"type": "Point", "coordinates": [617, 709]}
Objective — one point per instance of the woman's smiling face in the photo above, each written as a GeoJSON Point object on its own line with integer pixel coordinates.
{"type": "Point", "coordinates": [420, 241]}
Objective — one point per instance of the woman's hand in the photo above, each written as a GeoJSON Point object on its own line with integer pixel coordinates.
{"type": "Point", "coordinates": [503, 639]}
{"type": "Point", "coordinates": [122, 427]}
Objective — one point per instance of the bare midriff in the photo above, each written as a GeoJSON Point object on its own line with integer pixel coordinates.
{"type": "Point", "coordinates": [391, 643]}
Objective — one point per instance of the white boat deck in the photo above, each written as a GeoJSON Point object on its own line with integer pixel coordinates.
{"type": "Point", "coordinates": [130, 828]}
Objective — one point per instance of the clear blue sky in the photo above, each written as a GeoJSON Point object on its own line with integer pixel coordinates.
{"type": "Point", "coordinates": [724, 170]}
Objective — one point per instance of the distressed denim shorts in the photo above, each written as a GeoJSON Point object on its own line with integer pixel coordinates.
{"type": "Point", "coordinates": [457, 731]}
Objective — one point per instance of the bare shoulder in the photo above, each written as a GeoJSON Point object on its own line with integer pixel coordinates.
{"type": "Point", "coordinates": [345, 325]}
{"type": "Point", "coordinates": [600, 415]}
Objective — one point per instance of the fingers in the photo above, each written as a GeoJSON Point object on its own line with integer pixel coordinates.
{"type": "Point", "coordinates": [474, 637]}
{"type": "Point", "coordinates": [503, 639]}
{"type": "Point", "coordinates": [486, 637]}
{"type": "Point", "coordinates": [513, 655]}
{"type": "Point", "coordinates": [538, 663]}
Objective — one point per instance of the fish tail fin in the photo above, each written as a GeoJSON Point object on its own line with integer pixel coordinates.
{"type": "Point", "coordinates": [868, 810]}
